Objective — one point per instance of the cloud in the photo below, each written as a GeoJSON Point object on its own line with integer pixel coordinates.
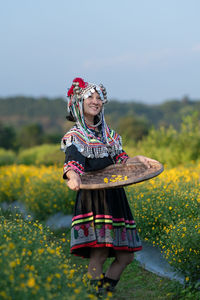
{"type": "Point", "coordinates": [107, 61]}
{"type": "Point", "coordinates": [133, 59]}
{"type": "Point", "coordinates": [196, 48]}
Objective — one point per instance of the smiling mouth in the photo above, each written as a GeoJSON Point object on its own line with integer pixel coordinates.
{"type": "Point", "coordinates": [94, 107]}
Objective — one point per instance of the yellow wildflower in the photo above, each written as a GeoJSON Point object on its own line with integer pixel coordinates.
{"type": "Point", "coordinates": [31, 282]}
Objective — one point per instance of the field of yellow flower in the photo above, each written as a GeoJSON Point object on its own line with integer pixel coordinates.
{"type": "Point", "coordinates": [41, 189]}
{"type": "Point", "coordinates": [36, 265]}
{"type": "Point", "coordinates": [166, 208]}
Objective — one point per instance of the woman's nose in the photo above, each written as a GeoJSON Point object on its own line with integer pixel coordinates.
{"type": "Point", "coordinates": [95, 100]}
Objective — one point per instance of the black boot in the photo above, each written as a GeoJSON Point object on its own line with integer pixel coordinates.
{"type": "Point", "coordinates": [110, 284]}
{"type": "Point", "coordinates": [97, 284]}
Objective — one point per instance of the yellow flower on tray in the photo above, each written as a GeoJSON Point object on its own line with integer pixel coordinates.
{"type": "Point", "coordinates": [115, 178]}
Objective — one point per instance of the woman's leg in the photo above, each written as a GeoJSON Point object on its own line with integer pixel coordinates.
{"type": "Point", "coordinates": [97, 258]}
{"type": "Point", "coordinates": [122, 260]}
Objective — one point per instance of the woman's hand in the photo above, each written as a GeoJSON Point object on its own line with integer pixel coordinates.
{"type": "Point", "coordinates": [143, 159]}
{"type": "Point", "coordinates": [73, 181]}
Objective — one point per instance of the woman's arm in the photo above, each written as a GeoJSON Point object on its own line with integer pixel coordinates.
{"type": "Point", "coordinates": [73, 180]}
{"type": "Point", "coordinates": [140, 158]}
{"type": "Point", "coordinates": [73, 168]}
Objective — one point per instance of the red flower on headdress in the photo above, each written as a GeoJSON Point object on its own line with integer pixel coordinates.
{"type": "Point", "coordinates": [82, 84]}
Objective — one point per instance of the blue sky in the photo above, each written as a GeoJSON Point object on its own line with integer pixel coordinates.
{"type": "Point", "coordinates": [147, 51]}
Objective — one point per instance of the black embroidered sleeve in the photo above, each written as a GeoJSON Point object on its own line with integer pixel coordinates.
{"type": "Point", "coordinates": [121, 158]}
{"type": "Point", "coordinates": [74, 160]}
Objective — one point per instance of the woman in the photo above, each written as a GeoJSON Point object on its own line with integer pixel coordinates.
{"type": "Point", "coordinates": [103, 224]}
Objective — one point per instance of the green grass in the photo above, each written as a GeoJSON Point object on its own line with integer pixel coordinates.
{"type": "Point", "coordinates": [137, 283]}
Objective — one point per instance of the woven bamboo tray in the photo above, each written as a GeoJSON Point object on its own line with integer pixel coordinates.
{"type": "Point", "coordinates": [120, 175]}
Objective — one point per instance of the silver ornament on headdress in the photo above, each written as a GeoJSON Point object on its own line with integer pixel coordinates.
{"type": "Point", "coordinates": [79, 92]}
{"type": "Point", "coordinates": [104, 93]}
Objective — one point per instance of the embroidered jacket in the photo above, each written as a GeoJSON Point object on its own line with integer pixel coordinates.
{"type": "Point", "coordinates": [80, 149]}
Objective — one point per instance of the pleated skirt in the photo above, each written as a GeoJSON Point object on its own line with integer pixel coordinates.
{"type": "Point", "coordinates": [103, 218]}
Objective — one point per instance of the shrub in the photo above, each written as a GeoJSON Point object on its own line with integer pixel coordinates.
{"type": "Point", "coordinates": [181, 247]}
{"type": "Point", "coordinates": [47, 194]}
{"type": "Point", "coordinates": [42, 189]}
{"type": "Point", "coordinates": [12, 180]}
{"type": "Point", "coordinates": [42, 155]}
{"type": "Point", "coordinates": [172, 147]}
{"type": "Point", "coordinates": [7, 157]}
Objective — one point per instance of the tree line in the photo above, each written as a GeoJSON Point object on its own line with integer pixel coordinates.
{"type": "Point", "coordinates": [26, 122]}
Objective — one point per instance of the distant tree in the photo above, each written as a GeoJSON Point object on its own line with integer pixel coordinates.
{"type": "Point", "coordinates": [50, 113]}
{"type": "Point", "coordinates": [30, 135]}
{"type": "Point", "coordinates": [52, 138]}
{"type": "Point", "coordinates": [7, 136]}
{"type": "Point", "coordinates": [133, 128]}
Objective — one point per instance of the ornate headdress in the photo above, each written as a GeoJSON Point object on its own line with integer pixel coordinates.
{"type": "Point", "coordinates": [79, 91]}
{"type": "Point", "coordinates": [82, 136]}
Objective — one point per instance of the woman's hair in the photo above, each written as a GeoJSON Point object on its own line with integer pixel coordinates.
{"type": "Point", "coordinates": [70, 118]}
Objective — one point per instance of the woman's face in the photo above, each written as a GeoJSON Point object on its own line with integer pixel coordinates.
{"type": "Point", "coordinates": [92, 106]}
